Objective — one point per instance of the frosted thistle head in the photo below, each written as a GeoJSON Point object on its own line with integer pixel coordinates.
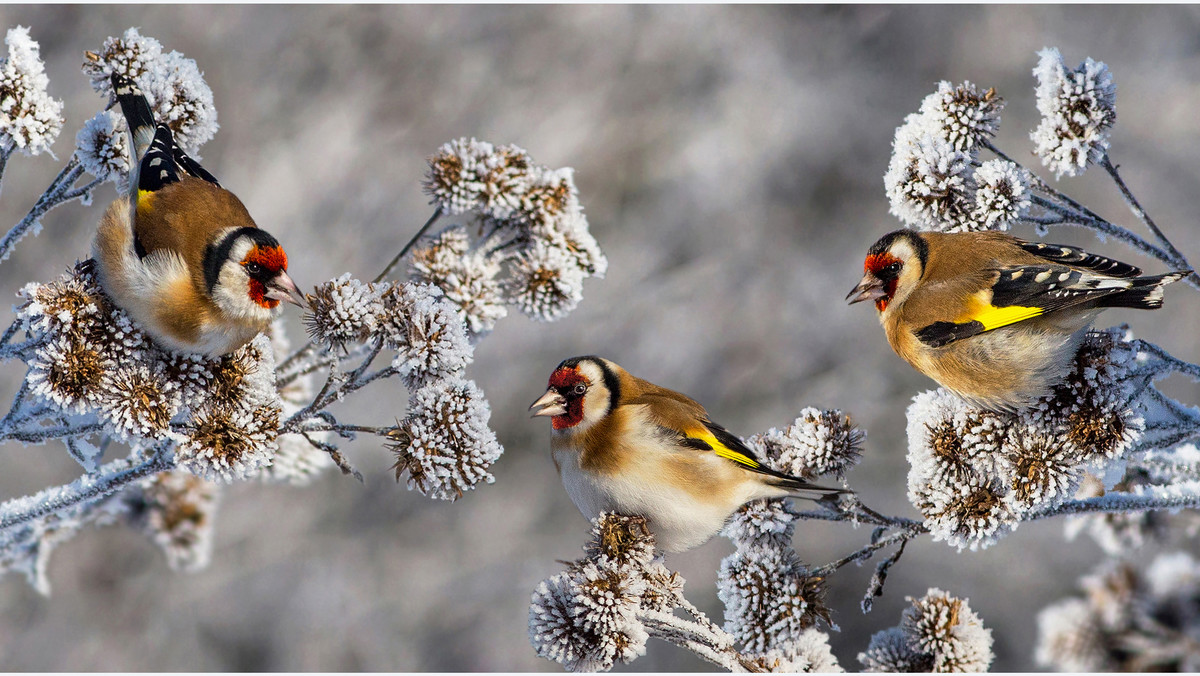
{"type": "Point", "coordinates": [1078, 110]}
{"type": "Point", "coordinates": [928, 181]}
{"type": "Point", "coordinates": [622, 540]}
{"type": "Point", "coordinates": [343, 311]}
{"type": "Point", "coordinates": [444, 444]}
{"type": "Point", "coordinates": [816, 443]}
{"type": "Point", "coordinates": [172, 83]}
{"type": "Point", "coordinates": [102, 147]}
{"type": "Point", "coordinates": [30, 120]}
{"type": "Point", "coordinates": [963, 115]}
{"type": "Point", "coordinates": [945, 627]}
{"type": "Point", "coordinates": [1002, 194]}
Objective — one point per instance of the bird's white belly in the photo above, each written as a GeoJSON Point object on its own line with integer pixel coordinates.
{"type": "Point", "coordinates": [678, 519]}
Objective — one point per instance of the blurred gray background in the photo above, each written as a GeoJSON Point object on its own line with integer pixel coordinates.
{"type": "Point", "coordinates": [730, 160]}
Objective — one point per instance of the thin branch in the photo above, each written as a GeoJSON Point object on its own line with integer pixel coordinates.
{"type": "Point", "coordinates": [1141, 214]}
{"type": "Point", "coordinates": [875, 588]}
{"type": "Point", "coordinates": [1068, 217]}
{"type": "Point", "coordinates": [869, 550]}
{"type": "Point", "coordinates": [1112, 503]}
{"type": "Point", "coordinates": [437, 213]}
{"type": "Point", "coordinates": [707, 644]}
{"type": "Point", "coordinates": [108, 480]}
{"type": "Point", "coordinates": [54, 196]}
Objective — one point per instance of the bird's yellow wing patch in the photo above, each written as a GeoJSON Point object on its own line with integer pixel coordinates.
{"type": "Point", "coordinates": [721, 449]}
{"type": "Point", "coordinates": [993, 317]}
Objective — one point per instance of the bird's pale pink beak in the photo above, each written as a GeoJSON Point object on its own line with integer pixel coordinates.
{"type": "Point", "coordinates": [284, 289]}
{"type": "Point", "coordinates": [870, 288]}
{"type": "Point", "coordinates": [552, 403]}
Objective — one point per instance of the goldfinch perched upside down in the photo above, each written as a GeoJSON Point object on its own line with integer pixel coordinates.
{"type": "Point", "coordinates": [181, 254]}
{"type": "Point", "coordinates": [995, 319]}
{"type": "Point", "coordinates": [622, 444]}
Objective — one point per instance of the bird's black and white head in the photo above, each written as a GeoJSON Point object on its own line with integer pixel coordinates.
{"type": "Point", "coordinates": [245, 273]}
{"type": "Point", "coordinates": [893, 266]}
{"type": "Point", "coordinates": [582, 391]}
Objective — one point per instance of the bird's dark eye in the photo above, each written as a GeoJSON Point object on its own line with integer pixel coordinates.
{"type": "Point", "coordinates": [891, 270]}
{"type": "Point", "coordinates": [253, 269]}
{"type": "Point", "coordinates": [579, 389]}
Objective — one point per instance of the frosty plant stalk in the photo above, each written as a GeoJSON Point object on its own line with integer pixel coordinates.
{"type": "Point", "coordinates": [189, 424]}
{"type": "Point", "coordinates": [1106, 448]}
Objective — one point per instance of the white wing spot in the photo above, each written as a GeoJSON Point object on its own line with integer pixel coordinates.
{"type": "Point", "coordinates": [1042, 276]}
{"type": "Point", "coordinates": [1064, 276]}
{"type": "Point", "coordinates": [1017, 274]}
{"type": "Point", "coordinates": [1065, 251]}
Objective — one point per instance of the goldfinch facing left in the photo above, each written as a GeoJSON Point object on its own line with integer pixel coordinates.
{"type": "Point", "coordinates": [622, 444]}
{"type": "Point", "coordinates": [180, 253]}
{"type": "Point", "coordinates": [993, 318]}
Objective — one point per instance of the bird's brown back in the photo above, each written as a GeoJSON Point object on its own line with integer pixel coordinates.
{"type": "Point", "coordinates": [167, 221]}
{"type": "Point", "coordinates": [944, 283]}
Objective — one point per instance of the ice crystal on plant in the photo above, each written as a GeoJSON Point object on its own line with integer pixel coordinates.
{"type": "Point", "coordinates": [928, 181]}
{"type": "Point", "coordinates": [1128, 620]}
{"type": "Point", "coordinates": [946, 627]}
{"type": "Point", "coordinates": [444, 444]}
{"type": "Point", "coordinates": [30, 120]}
{"type": "Point", "coordinates": [1043, 469]}
{"type": "Point", "coordinates": [962, 114]}
{"type": "Point", "coordinates": [468, 278]}
{"type": "Point", "coordinates": [975, 474]}
{"type": "Point", "coordinates": [809, 653]}
{"type": "Point", "coordinates": [938, 633]}
{"type": "Point", "coordinates": [138, 400]}
{"type": "Point", "coordinates": [176, 510]}
{"type": "Point", "coordinates": [550, 196]}
{"type": "Point", "coordinates": [1094, 408]}
{"type": "Point", "coordinates": [172, 83]}
{"type": "Point", "coordinates": [1002, 194]}
{"type": "Point", "coordinates": [622, 540]}
{"type": "Point", "coordinates": [770, 598]}
{"type": "Point", "coordinates": [453, 181]}
{"type": "Point", "coordinates": [427, 333]}
{"type": "Point", "coordinates": [588, 617]}
{"type": "Point", "coordinates": [762, 520]}
{"type": "Point", "coordinates": [1078, 109]}
{"type": "Point", "coordinates": [545, 282]}
{"type": "Point", "coordinates": [817, 442]}
{"type": "Point", "coordinates": [67, 373]}
{"type": "Point", "coordinates": [343, 310]}
{"type": "Point", "coordinates": [891, 651]}
{"type": "Point", "coordinates": [132, 55]}
{"type": "Point", "coordinates": [232, 436]}
{"type": "Point", "coordinates": [102, 147]}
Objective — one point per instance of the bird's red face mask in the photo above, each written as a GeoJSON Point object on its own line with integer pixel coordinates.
{"type": "Point", "coordinates": [563, 400]}
{"type": "Point", "coordinates": [269, 281]}
{"type": "Point", "coordinates": [881, 273]}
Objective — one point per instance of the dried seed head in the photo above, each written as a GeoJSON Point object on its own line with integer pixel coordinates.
{"type": "Point", "coordinates": [622, 540]}
{"type": "Point", "coordinates": [343, 310]}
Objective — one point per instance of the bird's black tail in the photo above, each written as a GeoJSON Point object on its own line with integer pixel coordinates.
{"type": "Point", "coordinates": [1144, 293]}
{"type": "Point", "coordinates": [138, 115]}
{"type": "Point", "coordinates": [803, 489]}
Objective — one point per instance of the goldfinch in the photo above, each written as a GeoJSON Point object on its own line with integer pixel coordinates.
{"type": "Point", "coordinates": [993, 318]}
{"type": "Point", "coordinates": [622, 444]}
{"type": "Point", "coordinates": [180, 253]}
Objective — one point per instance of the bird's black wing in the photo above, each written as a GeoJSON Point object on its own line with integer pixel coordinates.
{"type": "Point", "coordinates": [1027, 291]}
{"type": "Point", "coordinates": [1078, 258]}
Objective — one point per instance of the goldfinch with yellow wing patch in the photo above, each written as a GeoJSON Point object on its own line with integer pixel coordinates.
{"type": "Point", "coordinates": [993, 318]}
{"type": "Point", "coordinates": [181, 254]}
{"type": "Point", "coordinates": [625, 445]}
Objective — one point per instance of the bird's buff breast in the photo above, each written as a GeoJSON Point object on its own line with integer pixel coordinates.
{"type": "Point", "coordinates": [683, 511]}
{"type": "Point", "coordinates": [1005, 369]}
